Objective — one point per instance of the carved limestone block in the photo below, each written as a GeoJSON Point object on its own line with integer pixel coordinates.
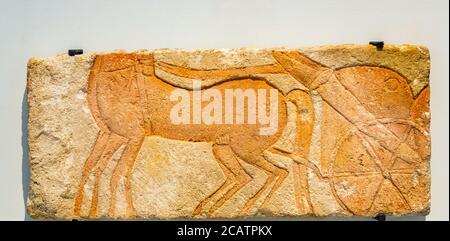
{"type": "Point", "coordinates": [334, 130]}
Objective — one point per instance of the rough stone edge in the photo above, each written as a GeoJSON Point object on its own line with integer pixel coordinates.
{"type": "Point", "coordinates": [34, 63]}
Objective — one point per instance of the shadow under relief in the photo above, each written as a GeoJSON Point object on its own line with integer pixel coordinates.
{"type": "Point", "coordinates": [24, 142]}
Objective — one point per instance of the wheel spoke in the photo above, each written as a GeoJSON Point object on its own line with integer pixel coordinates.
{"type": "Point", "coordinates": [403, 171]}
{"type": "Point", "coordinates": [358, 174]}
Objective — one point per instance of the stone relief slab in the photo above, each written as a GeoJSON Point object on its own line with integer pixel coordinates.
{"type": "Point", "coordinates": [324, 131]}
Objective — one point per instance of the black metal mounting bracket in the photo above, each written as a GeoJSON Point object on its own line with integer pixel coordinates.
{"type": "Point", "coordinates": [73, 52]}
{"type": "Point", "coordinates": [380, 217]}
{"type": "Point", "coordinates": [378, 44]}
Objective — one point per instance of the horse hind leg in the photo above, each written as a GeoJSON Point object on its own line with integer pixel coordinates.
{"type": "Point", "coordinates": [280, 173]}
{"type": "Point", "coordinates": [240, 177]}
{"type": "Point", "coordinates": [230, 178]}
{"type": "Point", "coordinates": [274, 173]}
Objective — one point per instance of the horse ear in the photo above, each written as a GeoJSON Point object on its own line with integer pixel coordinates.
{"type": "Point", "coordinates": [299, 66]}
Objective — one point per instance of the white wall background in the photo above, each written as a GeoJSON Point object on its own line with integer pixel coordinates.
{"type": "Point", "coordinates": [48, 27]}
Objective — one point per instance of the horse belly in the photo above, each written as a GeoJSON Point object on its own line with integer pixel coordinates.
{"type": "Point", "coordinates": [247, 134]}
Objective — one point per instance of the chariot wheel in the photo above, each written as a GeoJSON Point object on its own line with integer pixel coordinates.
{"type": "Point", "coordinates": [366, 178]}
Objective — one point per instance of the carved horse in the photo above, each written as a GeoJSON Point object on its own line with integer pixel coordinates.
{"type": "Point", "coordinates": [128, 102]}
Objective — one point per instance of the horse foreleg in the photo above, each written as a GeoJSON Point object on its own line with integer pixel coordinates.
{"type": "Point", "coordinates": [124, 169]}
{"type": "Point", "coordinates": [114, 143]}
{"type": "Point", "coordinates": [90, 163]}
